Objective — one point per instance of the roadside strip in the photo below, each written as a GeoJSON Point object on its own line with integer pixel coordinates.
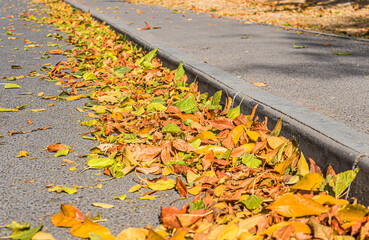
{"type": "Point", "coordinates": [321, 138]}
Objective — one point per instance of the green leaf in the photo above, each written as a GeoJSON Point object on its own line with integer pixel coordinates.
{"type": "Point", "coordinates": [234, 112]}
{"type": "Point", "coordinates": [150, 56]}
{"type": "Point", "coordinates": [216, 98]}
{"type": "Point", "coordinates": [61, 188]}
{"type": "Point", "coordinates": [120, 71]}
{"type": "Point", "coordinates": [199, 204]}
{"type": "Point", "coordinates": [64, 95]}
{"type": "Point", "coordinates": [171, 128]}
{"type": "Point", "coordinates": [343, 180]}
{"type": "Point", "coordinates": [180, 72]}
{"type": "Point", "coordinates": [294, 46]}
{"type": "Point", "coordinates": [155, 106]}
{"type": "Point", "coordinates": [62, 153]}
{"type": "Point", "coordinates": [187, 105]}
{"type": "Point", "coordinates": [100, 162]}
{"type": "Point", "coordinates": [196, 144]}
{"type": "Point", "coordinates": [26, 93]}
{"type": "Point", "coordinates": [26, 234]}
{"type": "Point", "coordinates": [18, 226]}
{"type": "Point", "coordinates": [89, 76]}
{"type": "Point", "coordinates": [244, 37]}
{"type": "Point", "coordinates": [253, 202]}
{"type": "Point", "coordinates": [11, 85]}
{"type": "Point", "coordinates": [342, 53]}
{"type": "Point", "coordinates": [251, 161]}
{"type": "Point", "coordinates": [121, 197]}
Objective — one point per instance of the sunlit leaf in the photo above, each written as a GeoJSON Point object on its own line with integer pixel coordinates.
{"type": "Point", "coordinates": [68, 216]}
{"type": "Point", "coordinates": [103, 205]}
{"type": "Point", "coordinates": [187, 105]}
{"type": "Point", "coordinates": [61, 188]}
{"type": "Point", "coordinates": [23, 154]}
{"type": "Point", "coordinates": [342, 180]}
{"type": "Point", "coordinates": [83, 230]}
{"type": "Point", "coordinates": [11, 85]}
{"type": "Point", "coordinates": [100, 162]}
{"type": "Point", "coordinates": [180, 72]}
{"type": "Point", "coordinates": [309, 182]}
{"type": "Point", "coordinates": [162, 185]}
{"type": "Point", "coordinates": [291, 205]}
{"type": "Point", "coordinates": [253, 202]}
{"type": "Point", "coordinates": [352, 212]}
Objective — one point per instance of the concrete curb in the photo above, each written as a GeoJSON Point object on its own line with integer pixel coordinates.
{"type": "Point", "coordinates": [321, 138]}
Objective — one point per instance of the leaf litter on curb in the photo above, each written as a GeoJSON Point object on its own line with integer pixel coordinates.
{"type": "Point", "coordinates": [248, 182]}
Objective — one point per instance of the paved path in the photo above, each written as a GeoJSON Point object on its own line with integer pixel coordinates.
{"type": "Point", "coordinates": [334, 85]}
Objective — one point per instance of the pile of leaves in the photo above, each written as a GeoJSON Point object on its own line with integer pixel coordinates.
{"type": "Point", "coordinates": [338, 17]}
{"type": "Point", "coordinates": [248, 182]}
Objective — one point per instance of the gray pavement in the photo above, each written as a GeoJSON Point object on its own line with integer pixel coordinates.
{"type": "Point", "coordinates": [314, 77]}
{"type": "Point", "coordinates": [23, 181]}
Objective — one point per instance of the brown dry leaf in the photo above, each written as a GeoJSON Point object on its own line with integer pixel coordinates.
{"type": "Point", "coordinates": [321, 231]}
{"type": "Point", "coordinates": [291, 205]}
{"type": "Point", "coordinates": [83, 230]}
{"type": "Point", "coordinates": [181, 187]}
{"type": "Point", "coordinates": [68, 216]}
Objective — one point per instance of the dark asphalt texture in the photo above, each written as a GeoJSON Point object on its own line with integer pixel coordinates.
{"type": "Point", "coordinates": [23, 181]}
{"type": "Point", "coordinates": [334, 85]}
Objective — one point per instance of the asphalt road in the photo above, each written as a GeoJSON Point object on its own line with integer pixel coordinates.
{"type": "Point", "coordinates": [314, 77]}
{"type": "Point", "coordinates": [23, 181]}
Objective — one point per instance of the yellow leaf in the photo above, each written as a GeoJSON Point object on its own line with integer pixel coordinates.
{"type": "Point", "coordinates": [43, 236]}
{"type": "Point", "coordinates": [40, 94]}
{"type": "Point", "coordinates": [23, 154]}
{"type": "Point", "coordinates": [231, 232]}
{"type": "Point", "coordinates": [99, 186]}
{"type": "Point", "coordinates": [248, 147]}
{"type": "Point", "coordinates": [329, 200]}
{"type": "Point", "coordinates": [167, 170]}
{"type": "Point", "coordinates": [309, 182]}
{"type": "Point", "coordinates": [299, 227]}
{"type": "Point", "coordinates": [302, 166]}
{"type": "Point", "coordinates": [275, 142]}
{"type": "Point", "coordinates": [352, 212]}
{"type": "Point", "coordinates": [84, 229]}
{"type": "Point", "coordinates": [147, 197]}
{"type": "Point", "coordinates": [132, 234]}
{"type": "Point", "coordinates": [291, 205]}
{"type": "Point", "coordinates": [38, 110]}
{"type": "Point", "coordinates": [204, 135]}
{"type": "Point", "coordinates": [253, 135]}
{"type": "Point", "coordinates": [103, 205]}
{"type": "Point", "coordinates": [69, 161]}
{"type": "Point", "coordinates": [191, 176]}
{"type": "Point", "coordinates": [72, 98]}
{"type": "Point", "coordinates": [80, 110]}
{"type": "Point", "coordinates": [237, 132]}
{"type": "Point", "coordinates": [162, 185]}
{"type": "Point", "coordinates": [219, 190]}
{"type": "Point", "coordinates": [195, 190]}
{"type": "Point", "coordinates": [108, 99]}
{"type": "Point", "coordinates": [72, 169]}
{"type": "Point", "coordinates": [135, 188]}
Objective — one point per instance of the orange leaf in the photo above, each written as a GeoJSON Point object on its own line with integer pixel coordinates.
{"type": "Point", "coordinates": [83, 230]}
{"type": "Point", "coordinates": [56, 147]}
{"type": "Point", "coordinates": [222, 124]}
{"type": "Point", "coordinates": [68, 216]}
{"type": "Point", "coordinates": [182, 145]}
{"type": "Point", "coordinates": [181, 187]}
{"type": "Point", "coordinates": [56, 52]}
{"type": "Point", "coordinates": [291, 205]}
